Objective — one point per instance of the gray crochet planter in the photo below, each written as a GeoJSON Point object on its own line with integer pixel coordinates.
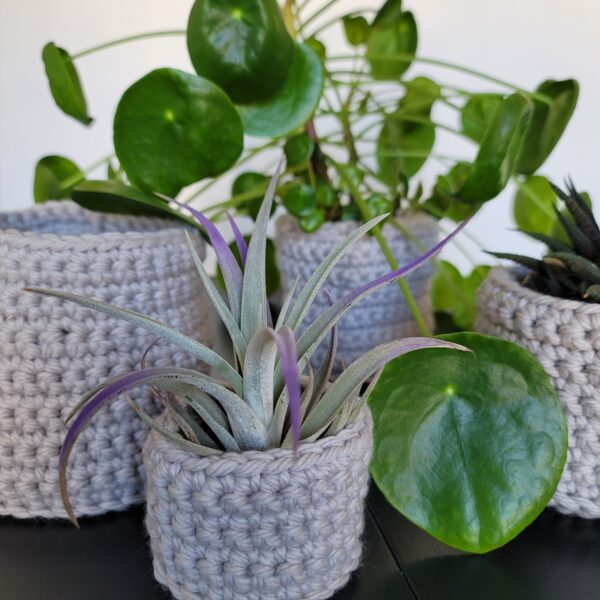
{"type": "Point", "coordinates": [383, 316]}
{"type": "Point", "coordinates": [565, 337]}
{"type": "Point", "coordinates": [258, 525]}
{"type": "Point", "coordinates": [52, 352]}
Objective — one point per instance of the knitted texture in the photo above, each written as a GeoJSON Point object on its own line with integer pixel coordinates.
{"type": "Point", "coordinates": [384, 315]}
{"type": "Point", "coordinates": [258, 525]}
{"type": "Point", "coordinates": [52, 352]}
{"type": "Point", "coordinates": [565, 337]}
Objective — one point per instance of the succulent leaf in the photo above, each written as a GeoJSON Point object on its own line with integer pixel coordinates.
{"type": "Point", "coordinates": [239, 238]}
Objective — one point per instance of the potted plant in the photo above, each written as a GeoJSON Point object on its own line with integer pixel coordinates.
{"type": "Point", "coordinates": [550, 306]}
{"type": "Point", "coordinates": [355, 128]}
{"type": "Point", "coordinates": [51, 354]}
{"type": "Point", "coordinates": [259, 487]}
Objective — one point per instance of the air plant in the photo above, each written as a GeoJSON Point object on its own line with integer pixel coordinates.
{"type": "Point", "coordinates": [269, 396]}
{"type": "Point", "coordinates": [571, 269]}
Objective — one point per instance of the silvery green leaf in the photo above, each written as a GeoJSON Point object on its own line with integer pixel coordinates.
{"type": "Point", "coordinates": [358, 372]}
{"type": "Point", "coordinates": [313, 285]}
{"type": "Point", "coordinates": [324, 371]}
{"type": "Point", "coordinates": [169, 435]}
{"type": "Point", "coordinates": [239, 343]}
{"type": "Point", "coordinates": [286, 305]}
{"type": "Point", "coordinates": [254, 290]}
{"type": "Point", "coordinates": [259, 365]}
{"type": "Point", "coordinates": [304, 405]}
{"type": "Point", "coordinates": [199, 402]}
{"type": "Point", "coordinates": [362, 400]}
{"type": "Point", "coordinates": [185, 389]}
{"type": "Point", "coordinates": [275, 432]}
{"type": "Point", "coordinates": [195, 348]}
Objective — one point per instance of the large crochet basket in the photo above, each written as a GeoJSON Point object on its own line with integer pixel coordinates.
{"type": "Point", "coordinates": [565, 337]}
{"type": "Point", "coordinates": [384, 315]}
{"type": "Point", "coordinates": [52, 352]}
{"type": "Point", "coordinates": [258, 525]}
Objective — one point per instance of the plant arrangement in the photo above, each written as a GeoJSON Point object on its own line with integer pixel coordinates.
{"type": "Point", "coordinates": [356, 129]}
{"type": "Point", "coordinates": [442, 447]}
{"type": "Point", "coordinates": [550, 306]}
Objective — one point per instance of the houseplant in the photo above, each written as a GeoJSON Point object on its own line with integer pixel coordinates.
{"type": "Point", "coordinates": [356, 130]}
{"type": "Point", "coordinates": [50, 354]}
{"type": "Point", "coordinates": [262, 493]}
{"type": "Point", "coordinates": [550, 306]}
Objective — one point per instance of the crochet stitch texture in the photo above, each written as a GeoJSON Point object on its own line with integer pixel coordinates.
{"type": "Point", "coordinates": [564, 335]}
{"type": "Point", "coordinates": [258, 525]}
{"type": "Point", "coordinates": [384, 315]}
{"type": "Point", "coordinates": [52, 352]}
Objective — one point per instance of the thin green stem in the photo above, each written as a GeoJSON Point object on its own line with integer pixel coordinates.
{"type": "Point", "coordinates": [337, 20]}
{"type": "Point", "coordinates": [75, 179]}
{"type": "Point", "coordinates": [128, 39]}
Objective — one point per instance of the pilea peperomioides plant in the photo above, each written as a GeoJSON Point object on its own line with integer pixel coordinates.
{"type": "Point", "coordinates": [469, 448]}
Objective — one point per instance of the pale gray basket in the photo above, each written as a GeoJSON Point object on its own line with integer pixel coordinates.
{"type": "Point", "coordinates": [384, 315]}
{"type": "Point", "coordinates": [565, 337]}
{"type": "Point", "coordinates": [258, 525]}
{"type": "Point", "coordinates": [52, 352]}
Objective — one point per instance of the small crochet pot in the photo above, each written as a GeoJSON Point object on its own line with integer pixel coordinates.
{"type": "Point", "coordinates": [384, 315]}
{"type": "Point", "coordinates": [258, 525]}
{"type": "Point", "coordinates": [564, 335]}
{"type": "Point", "coordinates": [52, 352]}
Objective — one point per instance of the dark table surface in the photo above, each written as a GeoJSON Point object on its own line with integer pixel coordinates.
{"type": "Point", "coordinates": [556, 558]}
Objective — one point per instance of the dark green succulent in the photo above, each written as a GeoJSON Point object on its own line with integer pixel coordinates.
{"type": "Point", "coordinates": [571, 269]}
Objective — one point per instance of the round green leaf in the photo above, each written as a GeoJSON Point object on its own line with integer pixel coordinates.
{"type": "Point", "coordinates": [55, 177]}
{"type": "Point", "coordinates": [300, 200]}
{"type": "Point", "coordinates": [533, 206]}
{"type": "Point", "coordinates": [312, 221]}
{"type": "Point", "coordinates": [246, 183]}
{"type": "Point", "coordinates": [65, 84]}
{"type": "Point", "coordinates": [380, 204]}
{"type": "Point", "coordinates": [241, 45]}
{"type": "Point", "coordinates": [356, 29]}
{"type": "Point", "coordinates": [477, 114]}
{"type": "Point", "coordinates": [172, 129]}
{"type": "Point", "coordinates": [468, 446]}
{"type": "Point", "coordinates": [325, 195]}
{"type": "Point", "coordinates": [499, 150]}
{"type": "Point", "coordinates": [393, 33]}
{"type": "Point", "coordinates": [298, 150]}
{"type": "Point", "coordinates": [295, 102]}
{"type": "Point", "coordinates": [548, 123]}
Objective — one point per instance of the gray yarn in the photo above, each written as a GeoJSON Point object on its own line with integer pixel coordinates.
{"type": "Point", "coordinates": [52, 352]}
{"type": "Point", "coordinates": [565, 337]}
{"type": "Point", "coordinates": [383, 316]}
{"type": "Point", "coordinates": [258, 525]}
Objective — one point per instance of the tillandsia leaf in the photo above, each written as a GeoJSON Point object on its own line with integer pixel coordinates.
{"type": "Point", "coordinates": [318, 329]}
{"type": "Point", "coordinates": [305, 402]}
{"type": "Point", "coordinates": [552, 243]}
{"type": "Point", "coordinates": [358, 372]}
{"type": "Point", "coordinates": [187, 392]}
{"type": "Point", "coordinates": [530, 263]}
{"type": "Point", "coordinates": [579, 266]}
{"type": "Point", "coordinates": [289, 367]}
{"type": "Point", "coordinates": [232, 274]}
{"type": "Point", "coordinates": [283, 313]}
{"type": "Point", "coordinates": [581, 213]}
{"type": "Point", "coordinates": [239, 343]}
{"type": "Point", "coordinates": [89, 395]}
{"type": "Point", "coordinates": [182, 443]}
{"type": "Point", "coordinates": [259, 364]}
{"type": "Point", "coordinates": [195, 348]}
{"type": "Point", "coordinates": [579, 240]}
{"type": "Point", "coordinates": [239, 238]}
{"type": "Point", "coordinates": [317, 279]}
{"type": "Point", "coordinates": [199, 404]}
{"type": "Point", "coordinates": [254, 308]}
{"type": "Point", "coordinates": [341, 419]}
{"type": "Point", "coordinates": [362, 400]}
{"type": "Point", "coordinates": [324, 371]}
{"type": "Point", "coordinates": [275, 431]}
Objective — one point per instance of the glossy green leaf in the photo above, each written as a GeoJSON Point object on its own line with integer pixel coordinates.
{"type": "Point", "coordinates": [172, 129]}
{"type": "Point", "coordinates": [477, 114]}
{"type": "Point", "coordinates": [55, 177]}
{"type": "Point", "coordinates": [241, 45]}
{"type": "Point", "coordinates": [499, 150]}
{"type": "Point", "coordinates": [117, 197]}
{"type": "Point", "coordinates": [312, 221]}
{"type": "Point", "coordinates": [468, 446]}
{"type": "Point", "coordinates": [300, 200]}
{"type": "Point", "coordinates": [298, 150]}
{"type": "Point", "coordinates": [455, 294]}
{"type": "Point", "coordinates": [65, 84]}
{"type": "Point", "coordinates": [295, 102]}
{"type": "Point", "coordinates": [356, 29]}
{"type": "Point", "coordinates": [247, 182]}
{"type": "Point", "coordinates": [548, 123]}
{"type": "Point", "coordinates": [408, 135]}
{"type": "Point", "coordinates": [533, 206]}
{"type": "Point", "coordinates": [393, 33]}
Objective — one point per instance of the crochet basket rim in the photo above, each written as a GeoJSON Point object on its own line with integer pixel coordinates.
{"type": "Point", "coordinates": [507, 278]}
{"type": "Point", "coordinates": [164, 227]}
{"type": "Point", "coordinates": [159, 443]}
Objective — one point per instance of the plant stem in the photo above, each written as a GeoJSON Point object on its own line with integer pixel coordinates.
{"type": "Point", "coordinates": [367, 214]}
{"type": "Point", "coordinates": [332, 22]}
{"type": "Point", "coordinates": [318, 13]}
{"type": "Point", "coordinates": [126, 40]}
{"type": "Point", "coordinates": [75, 179]}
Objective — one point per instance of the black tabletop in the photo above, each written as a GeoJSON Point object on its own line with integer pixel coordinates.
{"type": "Point", "coordinates": [556, 558]}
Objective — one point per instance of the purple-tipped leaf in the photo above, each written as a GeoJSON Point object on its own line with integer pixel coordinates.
{"type": "Point", "coordinates": [240, 242]}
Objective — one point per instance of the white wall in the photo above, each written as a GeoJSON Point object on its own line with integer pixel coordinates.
{"type": "Point", "coordinates": [523, 41]}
